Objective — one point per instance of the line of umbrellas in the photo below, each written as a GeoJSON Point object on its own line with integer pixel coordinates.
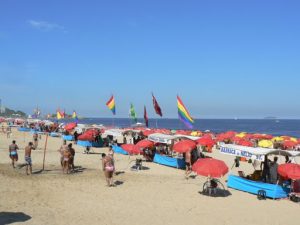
{"type": "Point", "coordinates": [207, 167]}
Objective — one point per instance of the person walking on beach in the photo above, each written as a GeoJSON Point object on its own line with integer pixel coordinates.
{"type": "Point", "coordinates": [108, 168]}
{"type": "Point", "coordinates": [188, 163]}
{"type": "Point", "coordinates": [35, 140]}
{"type": "Point", "coordinates": [13, 154]}
{"type": "Point", "coordinates": [61, 151]}
{"type": "Point", "coordinates": [28, 158]}
{"type": "Point", "coordinates": [72, 156]}
{"type": "Point", "coordinates": [8, 131]}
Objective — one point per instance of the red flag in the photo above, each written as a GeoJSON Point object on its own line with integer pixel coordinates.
{"type": "Point", "coordinates": [156, 106]}
{"type": "Point", "coordinates": [146, 117]}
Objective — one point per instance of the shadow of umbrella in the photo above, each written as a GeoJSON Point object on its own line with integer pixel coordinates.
{"type": "Point", "coordinates": [13, 217]}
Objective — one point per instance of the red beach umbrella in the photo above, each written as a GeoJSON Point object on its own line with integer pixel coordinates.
{"type": "Point", "coordinates": [70, 126]}
{"type": "Point", "coordinates": [210, 167]}
{"type": "Point", "coordinates": [145, 144]}
{"type": "Point", "coordinates": [289, 171]}
{"type": "Point", "coordinates": [184, 146]}
{"type": "Point", "coordinates": [245, 143]}
{"type": "Point", "coordinates": [148, 132]}
{"type": "Point", "coordinates": [289, 144]}
{"type": "Point", "coordinates": [131, 149]}
{"type": "Point", "coordinates": [206, 141]}
{"type": "Point", "coordinates": [86, 137]}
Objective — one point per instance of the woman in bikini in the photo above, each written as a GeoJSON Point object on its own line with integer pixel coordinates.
{"type": "Point", "coordinates": [108, 168]}
{"type": "Point", "coordinates": [13, 154]}
{"type": "Point", "coordinates": [66, 159]}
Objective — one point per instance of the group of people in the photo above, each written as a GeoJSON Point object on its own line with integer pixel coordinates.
{"type": "Point", "coordinates": [67, 156]}
{"type": "Point", "coordinates": [13, 154]}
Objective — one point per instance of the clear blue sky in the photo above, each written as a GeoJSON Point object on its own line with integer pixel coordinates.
{"type": "Point", "coordinates": [225, 59]}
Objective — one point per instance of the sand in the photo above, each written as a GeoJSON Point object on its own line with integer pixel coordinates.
{"type": "Point", "coordinates": [157, 195]}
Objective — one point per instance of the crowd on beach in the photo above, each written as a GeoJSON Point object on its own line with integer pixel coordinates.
{"type": "Point", "coordinates": [206, 142]}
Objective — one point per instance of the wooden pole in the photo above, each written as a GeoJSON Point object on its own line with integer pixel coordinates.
{"type": "Point", "coordinates": [46, 142]}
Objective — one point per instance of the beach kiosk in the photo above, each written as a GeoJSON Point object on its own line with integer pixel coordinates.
{"type": "Point", "coordinates": [164, 159]}
{"type": "Point", "coordinates": [273, 191]}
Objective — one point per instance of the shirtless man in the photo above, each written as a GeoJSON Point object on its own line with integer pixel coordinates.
{"type": "Point", "coordinates": [35, 140]}
{"type": "Point", "coordinates": [61, 151]}
{"type": "Point", "coordinates": [28, 158]}
{"type": "Point", "coordinates": [13, 154]}
{"type": "Point", "coordinates": [66, 160]}
{"type": "Point", "coordinates": [72, 157]}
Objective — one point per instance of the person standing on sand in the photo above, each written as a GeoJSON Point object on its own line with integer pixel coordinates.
{"type": "Point", "coordinates": [35, 140]}
{"type": "Point", "coordinates": [8, 131]}
{"type": "Point", "coordinates": [28, 158]}
{"type": "Point", "coordinates": [108, 168]}
{"type": "Point", "coordinates": [66, 160]}
{"type": "Point", "coordinates": [13, 154]}
{"type": "Point", "coordinates": [61, 151]}
{"type": "Point", "coordinates": [188, 163]}
{"type": "Point", "coordinates": [72, 157]}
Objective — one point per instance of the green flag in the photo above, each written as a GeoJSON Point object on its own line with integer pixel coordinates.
{"type": "Point", "coordinates": [133, 113]}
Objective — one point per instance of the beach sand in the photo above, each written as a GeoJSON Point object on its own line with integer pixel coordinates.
{"type": "Point", "coordinates": [157, 195]}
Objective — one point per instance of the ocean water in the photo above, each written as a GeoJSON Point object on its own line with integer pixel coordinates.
{"type": "Point", "coordinates": [268, 126]}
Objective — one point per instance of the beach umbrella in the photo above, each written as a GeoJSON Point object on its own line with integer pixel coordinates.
{"type": "Point", "coordinates": [131, 149]}
{"type": "Point", "coordinates": [145, 144]}
{"type": "Point", "coordinates": [184, 146]}
{"type": "Point", "coordinates": [289, 171]}
{"type": "Point", "coordinates": [70, 126]}
{"type": "Point", "coordinates": [205, 141]}
{"type": "Point", "coordinates": [278, 139]}
{"type": "Point", "coordinates": [245, 143]}
{"type": "Point", "coordinates": [236, 139]}
{"type": "Point", "coordinates": [241, 135]}
{"type": "Point", "coordinates": [148, 132]}
{"type": "Point", "coordinates": [86, 137]}
{"type": "Point", "coordinates": [210, 167]}
{"type": "Point", "coordinates": [265, 144]}
{"type": "Point", "coordinates": [289, 144]}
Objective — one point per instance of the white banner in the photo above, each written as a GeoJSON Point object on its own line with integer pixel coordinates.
{"type": "Point", "coordinates": [241, 153]}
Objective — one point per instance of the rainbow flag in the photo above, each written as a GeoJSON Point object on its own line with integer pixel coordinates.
{"type": "Point", "coordinates": [184, 114]}
{"type": "Point", "coordinates": [111, 104]}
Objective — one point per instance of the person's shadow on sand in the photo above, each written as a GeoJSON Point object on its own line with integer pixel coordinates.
{"type": "Point", "coordinates": [13, 217]}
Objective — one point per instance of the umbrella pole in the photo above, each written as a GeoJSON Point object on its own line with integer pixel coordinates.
{"type": "Point", "coordinates": [46, 142]}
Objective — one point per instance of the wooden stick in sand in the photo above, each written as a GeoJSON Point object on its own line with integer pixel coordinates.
{"type": "Point", "coordinates": [46, 142]}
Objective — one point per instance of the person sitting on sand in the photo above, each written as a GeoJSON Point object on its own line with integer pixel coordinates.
{"type": "Point", "coordinates": [108, 168]}
{"type": "Point", "coordinates": [28, 158]}
{"type": "Point", "coordinates": [61, 151]}
{"type": "Point", "coordinates": [13, 154]}
{"type": "Point", "coordinates": [66, 160]}
{"type": "Point", "coordinates": [72, 157]}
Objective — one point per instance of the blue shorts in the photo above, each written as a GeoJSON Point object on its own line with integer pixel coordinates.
{"type": "Point", "coordinates": [28, 160]}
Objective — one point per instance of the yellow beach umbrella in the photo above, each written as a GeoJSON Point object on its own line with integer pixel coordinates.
{"type": "Point", "coordinates": [265, 144]}
{"type": "Point", "coordinates": [241, 135]}
{"type": "Point", "coordinates": [277, 139]}
{"type": "Point", "coordinates": [294, 139]}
